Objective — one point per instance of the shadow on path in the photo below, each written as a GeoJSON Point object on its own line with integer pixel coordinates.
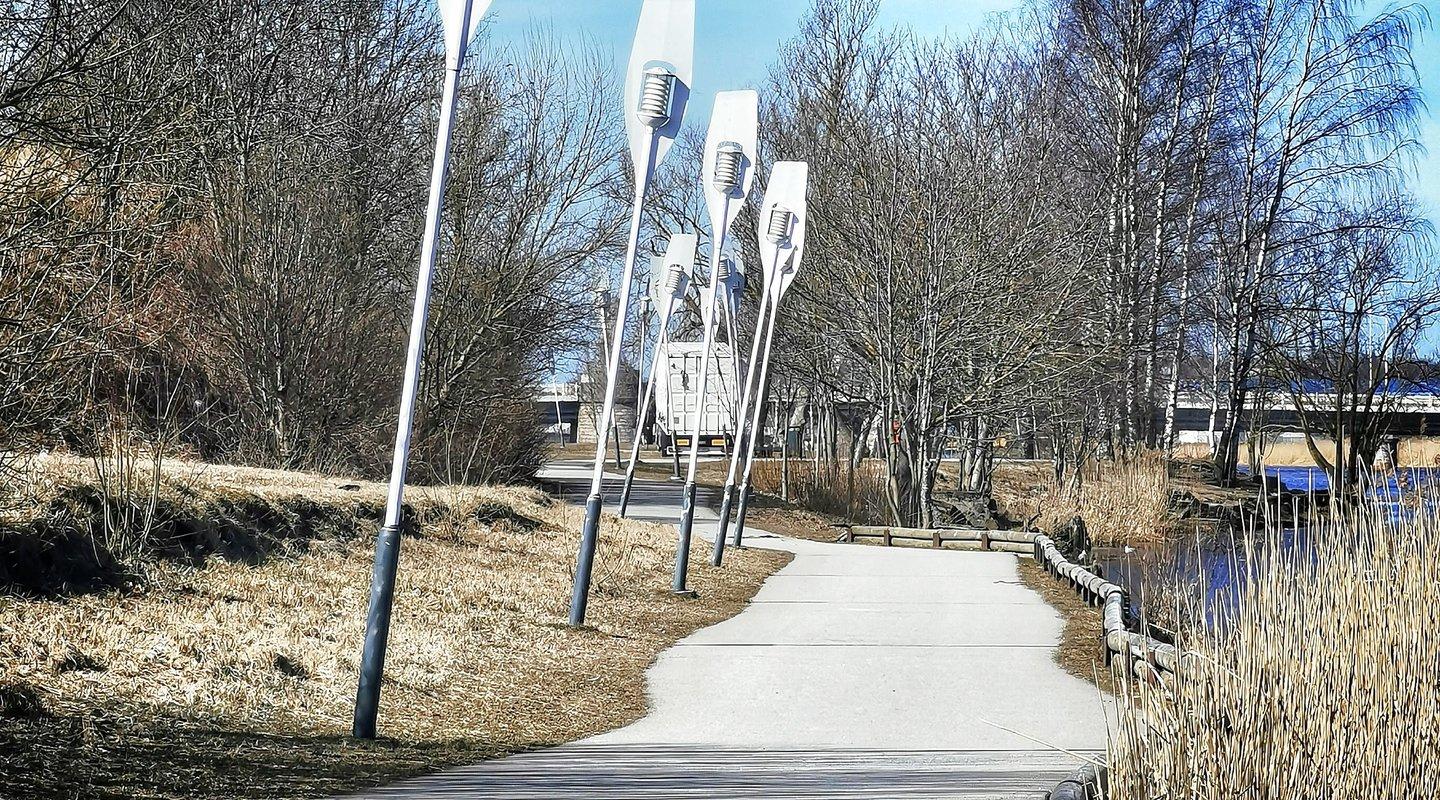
{"type": "Point", "coordinates": [669, 771]}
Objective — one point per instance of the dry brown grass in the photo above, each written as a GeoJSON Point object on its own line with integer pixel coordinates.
{"type": "Point", "coordinates": [1019, 488]}
{"type": "Point", "coordinates": [1124, 501]}
{"type": "Point", "coordinates": [1415, 451]}
{"type": "Point", "coordinates": [1079, 652]}
{"type": "Point", "coordinates": [237, 680]}
{"type": "Point", "coordinates": [1322, 683]}
{"type": "Point", "coordinates": [788, 521]}
{"type": "Point", "coordinates": [827, 490]}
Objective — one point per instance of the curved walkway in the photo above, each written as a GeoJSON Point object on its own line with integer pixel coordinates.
{"type": "Point", "coordinates": [857, 671]}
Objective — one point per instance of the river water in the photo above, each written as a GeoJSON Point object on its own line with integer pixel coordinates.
{"type": "Point", "coordinates": [1215, 562]}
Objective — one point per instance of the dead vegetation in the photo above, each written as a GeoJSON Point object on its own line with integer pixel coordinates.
{"type": "Point", "coordinates": [1318, 681]}
{"type": "Point", "coordinates": [214, 676]}
{"type": "Point", "coordinates": [828, 487]}
{"type": "Point", "coordinates": [1127, 501]}
{"type": "Point", "coordinates": [771, 515]}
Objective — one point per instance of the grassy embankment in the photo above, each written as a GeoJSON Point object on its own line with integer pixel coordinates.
{"type": "Point", "coordinates": [216, 657]}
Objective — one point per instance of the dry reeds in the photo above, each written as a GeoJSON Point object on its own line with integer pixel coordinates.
{"type": "Point", "coordinates": [1321, 680]}
{"type": "Point", "coordinates": [829, 488]}
{"type": "Point", "coordinates": [1414, 451]}
{"type": "Point", "coordinates": [1122, 501]}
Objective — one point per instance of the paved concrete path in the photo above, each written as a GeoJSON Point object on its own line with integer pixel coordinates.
{"type": "Point", "coordinates": [857, 672]}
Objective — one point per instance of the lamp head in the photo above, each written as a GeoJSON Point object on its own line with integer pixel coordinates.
{"type": "Point", "coordinates": [782, 223]}
{"type": "Point", "coordinates": [674, 277]}
{"type": "Point", "coordinates": [657, 90]}
{"type": "Point", "coordinates": [728, 164]}
{"type": "Point", "coordinates": [657, 80]}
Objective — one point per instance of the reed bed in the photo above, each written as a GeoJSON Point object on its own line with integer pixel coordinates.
{"type": "Point", "coordinates": [1125, 501]}
{"type": "Point", "coordinates": [826, 487]}
{"type": "Point", "coordinates": [1321, 679]}
{"type": "Point", "coordinates": [1414, 451]}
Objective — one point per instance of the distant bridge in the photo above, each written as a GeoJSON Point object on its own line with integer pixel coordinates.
{"type": "Point", "coordinates": [1414, 409]}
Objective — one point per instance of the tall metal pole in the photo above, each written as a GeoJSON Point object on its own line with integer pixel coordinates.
{"type": "Point", "coordinates": [589, 533]}
{"type": "Point", "coordinates": [387, 542]}
{"type": "Point", "coordinates": [782, 241]}
{"type": "Point", "coordinates": [614, 429]}
{"type": "Point", "coordinates": [707, 317]}
{"type": "Point", "coordinates": [732, 337]}
{"type": "Point", "coordinates": [559, 421]}
{"type": "Point", "coordinates": [727, 495]}
{"type": "Point", "coordinates": [727, 174]}
{"type": "Point", "coordinates": [646, 313]}
{"type": "Point", "coordinates": [755, 428]}
{"type": "Point", "coordinates": [673, 278]}
{"type": "Point", "coordinates": [648, 393]}
{"type": "Point", "coordinates": [657, 88]}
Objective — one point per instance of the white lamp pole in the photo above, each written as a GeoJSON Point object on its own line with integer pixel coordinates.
{"type": "Point", "coordinates": [727, 495]}
{"type": "Point", "coordinates": [734, 289]}
{"type": "Point", "coordinates": [647, 312]}
{"type": "Point", "coordinates": [782, 243]}
{"type": "Point", "coordinates": [460, 18]}
{"type": "Point", "coordinates": [727, 172]}
{"type": "Point", "coordinates": [602, 304]}
{"type": "Point", "coordinates": [671, 283]}
{"type": "Point", "coordinates": [657, 87]}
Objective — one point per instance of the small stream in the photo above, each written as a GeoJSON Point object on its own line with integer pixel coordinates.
{"type": "Point", "coordinates": [1206, 561]}
{"type": "Point", "coordinates": [1214, 562]}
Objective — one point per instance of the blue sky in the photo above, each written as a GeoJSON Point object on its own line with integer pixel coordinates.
{"type": "Point", "coordinates": [736, 41]}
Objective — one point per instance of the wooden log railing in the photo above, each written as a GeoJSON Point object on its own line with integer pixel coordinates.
{"type": "Point", "coordinates": [961, 538]}
{"type": "Point", "coordinates": [1148, 659]}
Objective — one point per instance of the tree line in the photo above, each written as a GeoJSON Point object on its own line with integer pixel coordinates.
{"type": "Point", "coordinates": [1046, 231]}
{"type": "Point", "coordinates": [1057, 226]}
{"type": "Point", "coordinates": [209, 226]}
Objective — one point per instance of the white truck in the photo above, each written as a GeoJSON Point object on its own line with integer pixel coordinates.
{"type": "Point", "coordinates": [677, 392]}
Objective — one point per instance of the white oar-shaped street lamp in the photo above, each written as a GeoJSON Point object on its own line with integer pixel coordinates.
{"type": "Point", "coordinates": [460, 18]}
{"type": "Point", "coordinates": [782, 243]}
{"type": "Point", "coordinates": [671, 283]}
{"type": "Point", "coordinates": [732, 276]}
{"type": "Point", "coordinates": [657, 88]}
{"type": "Point", "coordinates": [727, 172]}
